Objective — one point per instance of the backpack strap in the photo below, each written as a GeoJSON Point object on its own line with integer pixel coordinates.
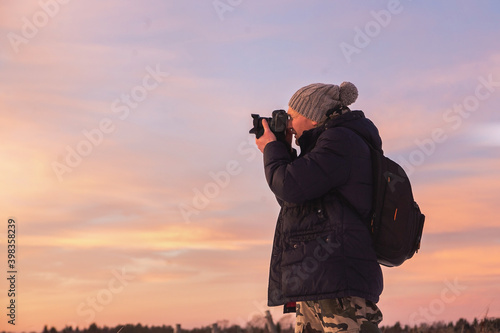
{"type": "Point", "coordinates": [351, 206]}
{"type": "Point", "coordinates": [368, 219]}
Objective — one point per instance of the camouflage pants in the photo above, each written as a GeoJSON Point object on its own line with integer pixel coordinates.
{"type": "Point", "coordinates": [348, 314]}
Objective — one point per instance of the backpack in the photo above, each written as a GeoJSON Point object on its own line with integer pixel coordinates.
{"type": "Point", "coordinates": [396, 222]}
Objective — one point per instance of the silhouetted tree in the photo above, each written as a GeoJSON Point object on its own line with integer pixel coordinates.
{"type": "Point", "coordinates": [67, 329]}
{"type": "Point", "coordinates": [462, 325]}
{"type": "Point", "coordinates": [257, 325]}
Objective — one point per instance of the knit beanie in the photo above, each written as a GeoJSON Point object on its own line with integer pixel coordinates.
{"type": "Point", "coordinates": [314, 100]}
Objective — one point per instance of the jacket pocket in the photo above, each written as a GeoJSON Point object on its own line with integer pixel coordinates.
{"type": "Point", "coordinates": [305, 257]}
{"type": "Point", "coordinates": [309, 246]}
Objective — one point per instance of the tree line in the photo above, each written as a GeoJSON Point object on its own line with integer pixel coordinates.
{"type": "Point", "coordinates": [486, 325]}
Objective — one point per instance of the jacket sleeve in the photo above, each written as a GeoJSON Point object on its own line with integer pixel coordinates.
{"type": "Point", "coordinates": [315, 173]}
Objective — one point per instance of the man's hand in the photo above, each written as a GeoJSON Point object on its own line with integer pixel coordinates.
{"type": "Point", "coordinates": [267, 137]}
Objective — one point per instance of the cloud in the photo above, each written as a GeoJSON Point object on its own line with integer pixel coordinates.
{"type": "Point", "coordinates": [159, 238]}
{"type": "Point", "coordinates": [448, 208]}
{"type": "Point", "coordinates": [486, 135]}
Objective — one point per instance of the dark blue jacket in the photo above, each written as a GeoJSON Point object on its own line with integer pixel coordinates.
{"type": "Point", "coordinates": [322, 248]}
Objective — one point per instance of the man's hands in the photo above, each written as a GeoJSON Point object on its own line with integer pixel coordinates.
{"type": "Point", "coordinates": [267, 137]}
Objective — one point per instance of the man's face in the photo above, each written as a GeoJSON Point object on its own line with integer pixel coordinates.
{"type": "Point", "coordinates": [297, 123]}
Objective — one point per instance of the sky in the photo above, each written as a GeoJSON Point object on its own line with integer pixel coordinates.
{"type": "Point", "coordinates": [137, 195]}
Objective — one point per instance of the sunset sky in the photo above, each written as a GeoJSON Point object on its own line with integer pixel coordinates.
{"type": "Point", "coordinates": [139, 196]}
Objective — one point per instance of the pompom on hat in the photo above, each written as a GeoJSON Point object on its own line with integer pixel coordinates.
{"type": "Point", "coordinates": [313, 101]}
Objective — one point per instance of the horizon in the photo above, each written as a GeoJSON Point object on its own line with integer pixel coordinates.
{"type": "Point", "coordinates": [258, 322]}
{"type": "Point", "coordinates": [137, 193]}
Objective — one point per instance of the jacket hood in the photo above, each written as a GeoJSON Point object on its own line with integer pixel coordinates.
{"type": "Point", "coordinates": [354, 120]}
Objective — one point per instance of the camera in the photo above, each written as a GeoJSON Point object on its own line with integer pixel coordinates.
{"type": "Point", "coordinates": [277, 123]}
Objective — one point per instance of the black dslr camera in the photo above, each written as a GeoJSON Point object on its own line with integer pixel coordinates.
{"type": "Point", "coordinates": [277, 123]}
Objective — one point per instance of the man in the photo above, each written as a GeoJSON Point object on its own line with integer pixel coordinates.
{"type": "Point", "coordinates": [322, 255]}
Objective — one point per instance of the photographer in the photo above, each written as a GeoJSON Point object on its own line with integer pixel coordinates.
{"type": "Point", "coordinates": [322, 255]}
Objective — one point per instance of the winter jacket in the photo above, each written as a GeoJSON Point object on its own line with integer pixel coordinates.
{"type": "Point", "coordinates": [322, 248]}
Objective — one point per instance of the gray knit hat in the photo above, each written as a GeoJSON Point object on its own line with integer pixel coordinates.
{"type": "Point", "coordinates": [314, 100]}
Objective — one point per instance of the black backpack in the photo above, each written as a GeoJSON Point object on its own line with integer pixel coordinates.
{"type": "Point", "coordinates": [396, 223]}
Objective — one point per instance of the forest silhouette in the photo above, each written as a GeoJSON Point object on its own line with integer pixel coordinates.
{"type": "Point", "coordinates": [486, 325]}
